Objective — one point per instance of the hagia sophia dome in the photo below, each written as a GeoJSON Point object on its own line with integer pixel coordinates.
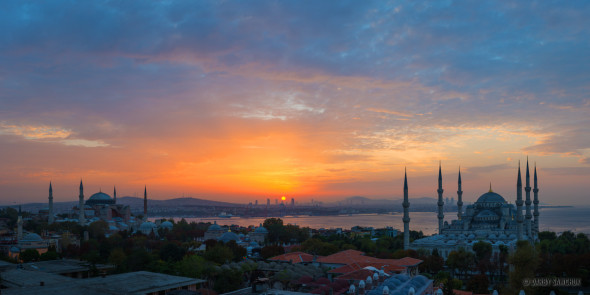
{"type": "Point", "coordinates": [100, 198]}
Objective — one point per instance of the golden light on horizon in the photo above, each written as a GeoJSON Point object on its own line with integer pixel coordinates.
{"type": "Point", "coordinates": [283, 198]}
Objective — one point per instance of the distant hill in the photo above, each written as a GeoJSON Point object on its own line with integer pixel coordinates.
{"type": "Point", "coordinates": [134, 202]}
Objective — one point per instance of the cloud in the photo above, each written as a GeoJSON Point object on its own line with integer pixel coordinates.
{"type": "Point", "coordinates": [34, 132]}
{"type": "Point", "coordinates": [489, 169]}
{"type": "Point", "coordinates": [390, 112]}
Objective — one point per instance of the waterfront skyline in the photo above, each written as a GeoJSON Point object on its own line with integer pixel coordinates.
{"type": "Point", "coordinates": [243, 101]}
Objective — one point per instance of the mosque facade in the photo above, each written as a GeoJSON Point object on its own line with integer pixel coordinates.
{"type": "Point", "coordinates": [491, 219]}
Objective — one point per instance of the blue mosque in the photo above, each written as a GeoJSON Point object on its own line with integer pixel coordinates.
{"type": "Point", "coordinates": [491, 219]}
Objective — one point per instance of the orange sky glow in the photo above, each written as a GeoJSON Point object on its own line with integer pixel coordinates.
{"type": "Point", "coordinates": [262, 102]}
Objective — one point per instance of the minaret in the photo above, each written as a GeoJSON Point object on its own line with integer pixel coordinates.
{"type": "Point", "coordinates": [115, 194]}
{"type": "Point", "coordinates": [528, 202]}
{"type": "Point", "coordinates": [440, 201]}
{"type": "Point", "coordinates": [459, 197]}
{"type": "Point", "coordinates": [50, 219]}
{"type": "Point", "coordinates": [145, 203]}
{"type": "Point", "coordinates": [406, 219]}
{"type": "Point", "coordinates": [81, 217]}
{"type": "Point", "coordinates": [519, 218]}
{"type": "Point", "coordinates": [19, 224]}
{"type": "Point", "coordinates": [536, 201]}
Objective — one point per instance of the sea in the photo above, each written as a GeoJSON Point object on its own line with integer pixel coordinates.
{"type": "Point", "coordinates": [560, 219]}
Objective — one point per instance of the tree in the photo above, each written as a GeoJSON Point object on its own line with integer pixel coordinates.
{"type": "Point", "coordinates": [275, 229]}
{"type": "Point", "coordinates": [193, 266]}
{"type": "Point", "coordinates": [49, 255]}
{"type": "Point", "coordinates": [483, 250]}
{"type": "Point", "coordinates": [524, 261]}
{"type": "Point", "coordinates": [228, 280]}
{"type": "Point", "coordinates": [460, 260]}
{"type": "Point", "coordinates": [271, 251]}
{"type": "Point", "coordinates": [29, 255]}
{"type": "Point", "coordinates": [118, 258]}
{"type": "Point", "coordinates": [171, 252]}
{"type": "Point", "coordinates": [238, 251]}
{"type": "Point", "coordinates": [98, 229]}
{"type": "Point", "coordinates": [478, 284]}
{"type": "Point", "coordinates": [219, 254]}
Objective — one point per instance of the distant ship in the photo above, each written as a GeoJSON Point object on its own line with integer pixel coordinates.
{"type": "Point", "coordinates": [225, 215]}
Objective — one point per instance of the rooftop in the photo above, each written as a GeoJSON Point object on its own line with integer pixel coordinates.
{"type": "Point", "coordinates": [295, 257]}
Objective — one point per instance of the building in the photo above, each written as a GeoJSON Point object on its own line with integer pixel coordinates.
{"type": "Point", "coordinates": [491, 219]}
{"type": "Point", "coordinates": [353, 260]}
{"type": "Point", "coordinates": [258, 235]}
{"type": "Point", "coordinates": [214, 231]}
{"type": "Point", "coordinates": [21, 282]}
{"type": "Point", "coordinates": [29, 241]}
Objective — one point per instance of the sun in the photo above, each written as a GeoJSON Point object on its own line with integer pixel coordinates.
{"type": "Point", "coordinates": [283, 198]}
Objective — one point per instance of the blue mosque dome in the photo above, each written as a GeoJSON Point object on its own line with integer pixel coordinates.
{"type": "Point", "coordinates": [491, 197]}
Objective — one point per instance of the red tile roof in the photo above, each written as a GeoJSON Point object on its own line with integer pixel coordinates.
{"type": "Point", "coordinates": [344, 257]}
{"type": "Point", "coordinates": [357, 275]}
{"type": "Point", "coordinates": [408, 261]}
{"type": "Point", "coordinates": [295, 257]}
{"type": "Point", "coordinates": [349, 257]}
{"type": "Point", "coordinates": [387, 267]}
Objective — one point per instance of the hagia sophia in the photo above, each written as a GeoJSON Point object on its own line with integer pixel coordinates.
{"type": "Point", "coordinates": [100, 206]}
{"type": "Point", "coordinates": [491, 219]}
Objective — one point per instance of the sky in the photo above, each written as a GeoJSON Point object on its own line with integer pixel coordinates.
{"type": "Point", "coordinates": [247, 100]}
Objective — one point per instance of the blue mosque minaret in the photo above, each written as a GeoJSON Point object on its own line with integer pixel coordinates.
{"type": "Point", "coordinates": [406, 219]}
{"type": "Point", "coordinates": [459, 197]}
{"type": "Point", "coordinates": [81, 218]}
{"type": "Point", "coordinates": [50, 217]}
{"type": "Point", "coordinates": [519, 217]}
{"type": "Point", "coordinates": [536, 201]}
{"type": "Point", "coordinates": [440, 203]}
{"type": "Point", "coordinates": [528, 202]}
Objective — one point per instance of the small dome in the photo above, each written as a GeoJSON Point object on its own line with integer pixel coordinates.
{"type": "Point", "coordinates": [214, 227]}
{"type": "Point", "coordinates": [167, 225]}
{"type": "Point", "coordinates": [261, 230]}
{"type": "Point", "coordinates": [491, 197]}
{"type": "Point", "coordinates": [32, 237]}
{"type": "Point", "coordinates": [228, 236]}
{"type": "Point", "coordinates": [147, 227]}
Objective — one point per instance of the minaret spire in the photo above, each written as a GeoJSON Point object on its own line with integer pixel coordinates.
{"type": "Point", "coordinates": [528, 202]}
{"type": "Point", "coordinates": [115, 194]}
{"type": "Point", "coordinates": [519, 217]}
{"type": "Point", "coordinates": [50, 217]}
{"type": "Point", "coordinates": [406, 219]}
{"type": "Point", "coordinates": [81, 217]}
{"type": "Point", "coordinates": [440, 200]}
{"type": "Point", "coordinates": [536, 201]}
{"type": "Point", "coordinates": [459, 197]}
{"type": "Point", "coordinates": [145, 203]}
